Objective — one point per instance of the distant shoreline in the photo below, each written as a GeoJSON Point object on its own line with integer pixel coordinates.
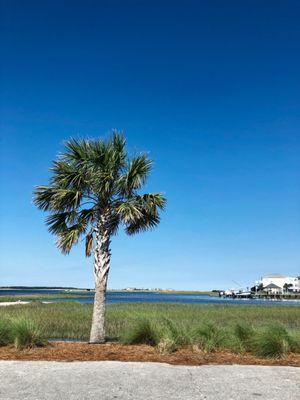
{"type": "Point", "coordinates": [73, 289]}
{"type": "Point", "coordinates": [42, 288]}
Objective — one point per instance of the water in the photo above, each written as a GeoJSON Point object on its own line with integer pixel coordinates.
{"type": "Point", "coordinates": [147, 297]}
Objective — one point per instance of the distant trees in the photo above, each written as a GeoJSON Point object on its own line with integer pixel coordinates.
{"type": "Point", "coordinates": [257, 288]}
{"type": "Point", "coordinates": [92, 191]}
{"type": "Point", "coordinates": [286, 287]}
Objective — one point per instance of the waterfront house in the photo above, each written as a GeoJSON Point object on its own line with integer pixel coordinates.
{"type": "Point", "coordinates": [280, 283]}
{"type": "Point", "coordinates": [273, 289]}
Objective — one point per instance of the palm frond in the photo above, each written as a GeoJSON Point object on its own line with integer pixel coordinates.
{"type": "Point", "coordinates": [66, 175]}
{"type": "Point", "coordinates": [118, 143]}
{"type": "Point", "coordinates": [147, 222]}
{"type": "Point", "coordinates": [88, 244]}
{"type": "Point", "coordinates": [129, 211]}
{"type": "Point", "coordinates": [58, 222]}
{"type": "Point", "coordinates": [42, 197]}
{"type": "Point", "coordinates": [86, 215]}
{"type": "Point", "coordinates": [146, 212]}
{"type": "Point", "coordinates": [68, 238]}
{"type": "Point", "coordinates": [77, 150]}
{"type": "Point", "coordinates": [153, 200]}
{"type": "Point", "coordinates": [56, 199]}
{"type": "Point", "coordinates": [137, 172]}
{"type": "Point", "coordinates": [113, 223]}
{"type": "Point", "coordinates": [110, 155]}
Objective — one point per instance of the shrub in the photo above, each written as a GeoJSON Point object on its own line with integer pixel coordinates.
{"type": "Point", "coordinates": [142, 332]}
{"type": "Point", "coordinates": [208, 337]}
{"type": "Point", "coordinates": [6, 336]}
{"type": "Point", "coordinates": [272, 342]}
{"type": "Point", "coordinates": [27, 334]}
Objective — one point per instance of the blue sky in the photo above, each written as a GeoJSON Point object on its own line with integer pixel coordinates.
{"type": "Point", "coordinates": [210, 89]}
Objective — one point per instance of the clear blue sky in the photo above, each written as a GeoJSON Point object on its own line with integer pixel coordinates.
{"type": "Point", "coordinates": [210, 89]}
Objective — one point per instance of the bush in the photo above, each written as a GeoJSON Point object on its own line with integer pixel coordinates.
{"type": "Point", "coordinates": [272, 342]}
{"type": "Point", "coordinates": [27, 334]}
{"type": "Point", "coordinates": [6, 336]}
{"type": "Point", "coordinates": [142, 332]}
{"type": "Point", "coordinates": [208, 337]}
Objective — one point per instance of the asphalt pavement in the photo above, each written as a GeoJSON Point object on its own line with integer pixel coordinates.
{"type": "Point", "coordinates": [107, 380]}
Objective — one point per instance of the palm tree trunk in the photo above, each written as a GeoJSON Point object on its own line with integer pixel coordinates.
{"type": "Point", "coordinates": [101, 269]}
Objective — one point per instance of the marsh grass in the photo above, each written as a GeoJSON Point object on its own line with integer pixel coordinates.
{"type": "Point", "coordinates": [6, 336]}
{"type": "Point", "coordinates": [27, 334]}
{"type": "Point", "coordinates": [244, 334]}
{"type": "Point", "coordinates": [142, 332]}
{"type": "Point", "coordinates": [172, 336]}
{"type": "Point", "coordinates": [209, 337]}
{"type": "Point", "coordinates": [272, 341]}
{"type": "Point", "coordinates": [240, 328]}
{"type": "Point", "coordinates": [162, 334]}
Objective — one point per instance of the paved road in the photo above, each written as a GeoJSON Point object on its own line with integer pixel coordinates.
{"type": "Point", "coordinates": [110, 380]}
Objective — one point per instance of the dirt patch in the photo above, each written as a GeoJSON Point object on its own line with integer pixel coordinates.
{"type": "Point", "coordinates": [62, 351]}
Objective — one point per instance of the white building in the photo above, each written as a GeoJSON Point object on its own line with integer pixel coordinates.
{"type": "Point", "coordinates": [276, 283]}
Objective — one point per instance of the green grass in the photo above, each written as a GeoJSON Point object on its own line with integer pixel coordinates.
{"type": "Point", "coordinates": [26, 333]}
{"type": "Point", "coordinates": [272, 341]}
{"type": "Point", "coordinates": [209, 337]}
{"type": "Point", "coordinates": [21, 332]}
{"type": "Point", "coordinates": [169, 326]}
{"type": "Point", "coordinates": [71, 320]}
{"type": "Point", "coordinates": [6, 336]}
{"type": "Point", "coordinates": [142, 332]}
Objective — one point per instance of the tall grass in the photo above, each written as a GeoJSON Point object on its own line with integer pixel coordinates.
{"type": "Point", "coordinates": [26, 333]}
{"type": "Point", "coordinates": [143, 332]}
{"type": "Point", "coordinates": [209, 337]}
{"type": "Point", "coordinates": [22, 333]}
{"type": "Point", "coordinates": [71, 320]}
{"type": "Point", "coordinates": [6, 336]}
{"type": "Point", "coordinates": [169, 326]}
{"type": "Point", "coordinates": [272, 341]}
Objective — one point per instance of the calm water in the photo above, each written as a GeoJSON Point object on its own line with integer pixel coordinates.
{"type": "Point", "coordinates": [146, 297]}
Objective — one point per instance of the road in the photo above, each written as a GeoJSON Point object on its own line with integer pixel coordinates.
{"type": "Point", "coordinates": [109, 380]}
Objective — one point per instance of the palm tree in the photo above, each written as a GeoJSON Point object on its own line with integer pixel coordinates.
{"type": "Point", "coordinates": [93, 190]}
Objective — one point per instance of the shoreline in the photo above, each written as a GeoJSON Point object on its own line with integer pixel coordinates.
{"type": "Point", "coordinates": [71, 290]}
{"type": "Point", "coordinates": [20, 302]}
